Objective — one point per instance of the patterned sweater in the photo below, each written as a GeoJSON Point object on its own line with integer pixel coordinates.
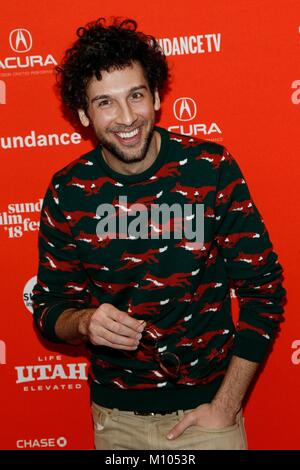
{"type": "Point", "coordinates": [180, 287]}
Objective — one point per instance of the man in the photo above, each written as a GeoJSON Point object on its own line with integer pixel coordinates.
{"type": "Point", "coordinates": [169, 368]}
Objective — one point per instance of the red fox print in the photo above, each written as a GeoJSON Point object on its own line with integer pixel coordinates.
{"type": "Point", "coordinates": [193, 193]}
{"type": "Point", "coordinates": [224, 194]}
{"type": "Point", "coordinates": [169, 169]}
{"type": "Point", "coordinates": [175, 280]}
{"type": "Point", "coordinates": [96, 266]}
{"type": "Point", "coordinates": [75, 216]}
{"type": "Point", "coordinates": [212, 257]}
{"type": "Point", "coordinates": [173, 225]}
{"type": "Point", "coordinates": [272, 316]}
{"type": "Point", "coordinates": [202, 288]}
{"type": "Point", "coordinates": [113, 288]}
{"type": "Point", "coordinates": [146, 308]}
{"type": "Point", "coordinates": [209, 212]}
{"type": "Point", "coordinates": [214, 158]}
{"type": "Point", "coordinates": [211, 307]}
{"type": "Point", "coordinates": [136, 259]}
{"type": "Point", "coordinates": [242, 325]}
{"type": "Point", "coordinates": [155, 332]}
{"type": "Point", "coordinates": [103, 364]}
{"type": "Point", "coordinates": [200, 342]}
{"type": "Point", "coordinates": [54, 264]}
{"type": "Point", "coordinates": [255, 259]}
{"type": "Point", "coordinates": [75, 286]}
{"type": "Point", "coordinates": [199, 250]}
{"type": "Point", "coordinates": [245, 207]}
{"type": "Point", "coordinates": [91, 187]}
{"type": "Point", "coordinates": [192, 381]}
{"type": "Point", "coordinates": [82, 161]}
{"type": "Point", "coordinates": [229, 241]}
{"type": "Point", "coordinates": [61, 226]}
{"type": "Point", "coordinates": [245, 300]}
{"type": "Point", "coordinates": [186, 141]}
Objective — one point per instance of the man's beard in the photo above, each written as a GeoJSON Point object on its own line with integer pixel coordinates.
{"type": "Point", "coordinates": [122, 156]}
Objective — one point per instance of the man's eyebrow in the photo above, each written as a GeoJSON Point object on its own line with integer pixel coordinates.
{"type": "Point", "coordinates": [103, 97]}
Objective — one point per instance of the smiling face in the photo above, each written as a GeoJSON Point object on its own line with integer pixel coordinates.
{"type": "Point", "coordinates": [121, 109]}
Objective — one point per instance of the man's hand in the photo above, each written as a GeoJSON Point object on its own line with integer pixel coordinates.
{"type": "Point", "coordinates": [206, 415]}
{"type": "Point", "coordinates": [109, 326]}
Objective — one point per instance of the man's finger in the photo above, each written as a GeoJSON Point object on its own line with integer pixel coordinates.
{"type": "Point", "coordinates": [127, 320]}
{"type": "Point", "coordinates": [177, 430]}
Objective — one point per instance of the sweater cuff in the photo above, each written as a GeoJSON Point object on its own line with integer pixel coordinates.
{"type": "Point", "coordinates": [51, 316]}
{"type": "Point", "coordinates": [251, 349]}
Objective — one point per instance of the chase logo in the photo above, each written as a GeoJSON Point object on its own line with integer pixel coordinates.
{"type": "Point", "coordinates": [185, 109]}
{"type": "Point", "coordinates": [20, 40]}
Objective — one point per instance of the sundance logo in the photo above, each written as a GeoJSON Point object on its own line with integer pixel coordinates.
{"type": "Point", "coordinates": [41, 442]}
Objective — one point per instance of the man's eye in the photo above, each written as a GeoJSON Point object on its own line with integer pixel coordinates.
{"type": "Point", "coordinates": [104, 103]}
{"type": "Point", "coordinates": [137, 95]}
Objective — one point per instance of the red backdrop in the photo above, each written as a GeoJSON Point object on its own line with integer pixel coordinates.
{"type": "Point", "coordinates": [235, 65]}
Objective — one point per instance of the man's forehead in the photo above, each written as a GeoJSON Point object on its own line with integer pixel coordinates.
{"type": "Point", "coordinates": [118, 80]}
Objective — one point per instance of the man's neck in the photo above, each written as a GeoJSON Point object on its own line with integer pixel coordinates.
{"type": "Point", "coordinates": [137, 167]}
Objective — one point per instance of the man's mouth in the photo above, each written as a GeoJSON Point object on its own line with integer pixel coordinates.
{"type": "Point", "coordinates": [131, 137]}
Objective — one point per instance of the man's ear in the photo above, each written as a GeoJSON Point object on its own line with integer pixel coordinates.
{"type": "Point", "coordinates": [156, 100]}
{"type": "Point", "coordinates": [83, 118]}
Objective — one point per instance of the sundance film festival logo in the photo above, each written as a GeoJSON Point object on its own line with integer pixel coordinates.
{"type": "Point", "coordinates": [24, 62]}
{"type": "Point", "coordinates": [153, 221]}
{"type": "Point", "coordinates": [185, 112]}
{"type": "Point", "coordinates": [17, 218]}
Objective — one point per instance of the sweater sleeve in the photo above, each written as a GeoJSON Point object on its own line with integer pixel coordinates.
{"type": "Point", "coordinates": [61, 281]}
{"type": "Point", "coordinates": [252, 266]}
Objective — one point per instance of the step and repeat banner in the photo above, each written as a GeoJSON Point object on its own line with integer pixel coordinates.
{"type": "Point", "coordinates": [235, 81]}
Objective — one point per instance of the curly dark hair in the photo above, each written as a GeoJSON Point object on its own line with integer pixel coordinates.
{"type": "Point", "coordinates": [104, 47]}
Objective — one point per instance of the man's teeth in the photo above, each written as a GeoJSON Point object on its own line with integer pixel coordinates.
{"type": "Point", "coordinates": [127, 135]}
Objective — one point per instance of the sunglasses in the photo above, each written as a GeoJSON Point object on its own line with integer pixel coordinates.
{"type": "Point", "coordinates": [168, 362]}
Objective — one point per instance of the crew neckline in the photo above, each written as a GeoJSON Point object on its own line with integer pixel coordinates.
{"type": "Point", "coordinates": [144, 175]}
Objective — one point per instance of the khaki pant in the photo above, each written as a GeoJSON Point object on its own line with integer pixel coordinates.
{"type": "Point", "coordinates": [123, 430]}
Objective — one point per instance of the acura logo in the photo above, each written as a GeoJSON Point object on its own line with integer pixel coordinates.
{"type": "Point", "coordinates": [20, 40]}
{"type": "Point", "coordinates": [185, 109]}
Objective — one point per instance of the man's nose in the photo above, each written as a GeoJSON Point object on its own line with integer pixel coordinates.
{"type": "Point", "coordinates": [127, 115]}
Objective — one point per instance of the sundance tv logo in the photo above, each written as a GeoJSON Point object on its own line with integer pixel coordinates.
{"type": "Point", "coordinates": [43, 442]}
{"type": "Point", "coordinates": [185, 111]}
{"type": "Point", "coordinates": [51, 374]}
{"type": "Point", "coordinates": [24, 62]}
